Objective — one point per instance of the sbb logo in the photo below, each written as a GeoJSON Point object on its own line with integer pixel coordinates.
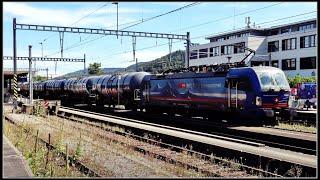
{"type": "Point", "coordinates": [182, 85]}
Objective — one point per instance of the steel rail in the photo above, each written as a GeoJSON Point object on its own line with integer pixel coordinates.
{"type": "Point", "coordinates": [269, 152]}
{"type": "Point", "coordinates": [248, 168]}
{"type": "Point", "coordinates": [246, 139]}
{"type": "Point", "coordinates": [168, 127]}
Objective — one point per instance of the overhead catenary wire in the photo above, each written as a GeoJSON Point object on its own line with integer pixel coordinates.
{"type": "Point", "coordinates": [138, 22]}
{"type": "Point", "coordinates": [192, 4]}
{"type": "Point", "coordinates": [163, 14]}
{"type": "Point", "coordinates": [149, 47]}
{"type": "Point", "coordinates": [253, 10]}
{"type": "Point", "coordinates": [104, 4]}
{"type": "Point", "coordinates": [227, 17]}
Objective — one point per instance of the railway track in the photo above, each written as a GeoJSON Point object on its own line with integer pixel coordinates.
{"type": "Point", "coordinates": [253, 148]}
{"type": "Point", "coordinates": [284, 139]}
{"type": "Point", "coordinates": [81, 166]}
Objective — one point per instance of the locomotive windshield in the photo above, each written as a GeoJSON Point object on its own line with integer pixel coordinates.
{"type": "Point", "coordinates": [273, 80]}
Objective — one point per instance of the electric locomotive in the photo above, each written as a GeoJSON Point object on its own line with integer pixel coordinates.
{"type": "Point", "coordinates": [252, 92]}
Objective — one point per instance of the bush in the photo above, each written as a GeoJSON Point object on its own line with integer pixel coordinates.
{"type": "Point", "coordinates": [294, 81]}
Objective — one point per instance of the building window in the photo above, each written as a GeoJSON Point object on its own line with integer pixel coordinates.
{"type": "Point", "coordinates": [275, 63]}
{"type": "Point", "coordinates": [289, 44]}
{"type": "Point", "coordinates": [307, 41]}
{"type": "Point", "coordinates": [226, 49]}
{"type": "Point", "coordinates": [273, 46]}
{"type": "Point", "coordinates": [203, 53]}
{"type": "Point", "coordinates": [259, 63]}
{"type": "Point", "coordinates": [214, 51]}
{"type": "Point", "coordinates": [289, 64]}
{"type": "Point", "coordinates": [221, 39]}
{"type": "Point", "coordinates": [294, 28]}
{"type": "Point", "coordinates": [238, 48]}
{"type": "Point", "coordinates": [194, 54]}
{"type": "Point", "coordinates": [232, 37]}
{"type": "Point", "coordinates": [308, 63]}
{"type": "Point", "coordinates": [286, 30]}
{"type": "Point", "coordinates": [308, 26]}
{"type": "Point", "coordinates": [244, 34]}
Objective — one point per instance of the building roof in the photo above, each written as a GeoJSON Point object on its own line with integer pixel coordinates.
{"type": "Point", "coordinates": [8, 72]}
{"type": "Point", "coordinates": [232, 32]}
{"type": "Point", "coordinates": [293, 23]}
{"type": "Point", "coordinates": [258, 28]}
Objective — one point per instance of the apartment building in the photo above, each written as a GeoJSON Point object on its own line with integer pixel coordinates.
{"type": "Point", "coordinates": [290, 47]}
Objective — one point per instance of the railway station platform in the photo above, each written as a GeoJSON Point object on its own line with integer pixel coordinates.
{"type": "Point", "coordinates": [14, 165]}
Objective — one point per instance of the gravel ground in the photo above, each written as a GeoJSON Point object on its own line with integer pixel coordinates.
{"type": "Point", "coordinates": [110, 159]}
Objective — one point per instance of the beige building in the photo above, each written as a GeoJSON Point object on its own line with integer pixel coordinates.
{"type": "Point", "coordinates": [290, 47]}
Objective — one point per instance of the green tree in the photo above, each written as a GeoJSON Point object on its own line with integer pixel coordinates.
{"type": "Point", "coordinates": [39, 78]}
{"type": "Point", "coordinates": [299, 79]}
{"type": "Point", "coordinates": [95, 69]}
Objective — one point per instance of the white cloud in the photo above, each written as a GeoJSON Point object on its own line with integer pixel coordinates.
{"type": "Point", "coordinates": [31, 15]}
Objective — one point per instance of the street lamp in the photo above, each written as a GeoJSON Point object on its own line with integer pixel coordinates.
{"type": "Point", "coordinates": [117, 16]}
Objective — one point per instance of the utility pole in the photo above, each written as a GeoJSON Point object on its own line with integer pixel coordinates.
{"type": "Point", "coordinates": [41, 49]}
{"type": "Point", "coordinates": [30, 77]}
{"type": "Point", "coordinates": [269, 58]}
{"type": "Point", "coordinates": [134, 40]}
{"type": "Point", "coordinates": [47, 73]}
{"type": "Point", "coordinates": [188, 48]}
{"type": "Point", "coordinates": [35, 67]}
{"type": "Point", "coordinates": [136, 64]}
{"type": "Point", "coordinates": [119, 77]}
{"type": "Point", "coordinates": [61, 35]}
{"type": "Point", "coordinates": [15, 83]}
{"type": "Point", "coordinates": [84, 64]}
{"type": "Point", "coordinates": [170, 49]}
{"type": "Point", "coordinates": [117, 17]}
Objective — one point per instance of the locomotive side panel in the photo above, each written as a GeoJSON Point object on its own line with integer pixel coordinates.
{"type": "Point", "coordinates": [196, 93]}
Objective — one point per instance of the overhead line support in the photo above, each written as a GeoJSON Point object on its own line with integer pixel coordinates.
{"type": "Point", "coordinates": [44, 59]}
{"type": "Point", "coordinates": [98, 31]}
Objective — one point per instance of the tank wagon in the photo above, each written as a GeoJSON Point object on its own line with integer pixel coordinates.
{"type": "Point", "coordinates": [259, 93]}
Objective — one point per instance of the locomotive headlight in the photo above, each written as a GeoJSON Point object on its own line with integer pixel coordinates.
{"type": "Point", "coordinates": [258, 101]}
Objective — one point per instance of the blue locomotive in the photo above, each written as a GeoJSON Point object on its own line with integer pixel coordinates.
{"type": "Point", "coordinates": [252, 92]}
{"type": "Point", "coordinates": [256, 93]}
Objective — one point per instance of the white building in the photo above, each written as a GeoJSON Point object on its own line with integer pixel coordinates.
{"type": "Point", "coordinates": [290, 47]}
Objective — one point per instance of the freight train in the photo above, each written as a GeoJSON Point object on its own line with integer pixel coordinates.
{"type": "Point", "coordinates": [260, 94]}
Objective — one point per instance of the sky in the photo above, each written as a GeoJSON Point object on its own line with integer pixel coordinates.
{"type": "Point", "coordinates": [201, 20]}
